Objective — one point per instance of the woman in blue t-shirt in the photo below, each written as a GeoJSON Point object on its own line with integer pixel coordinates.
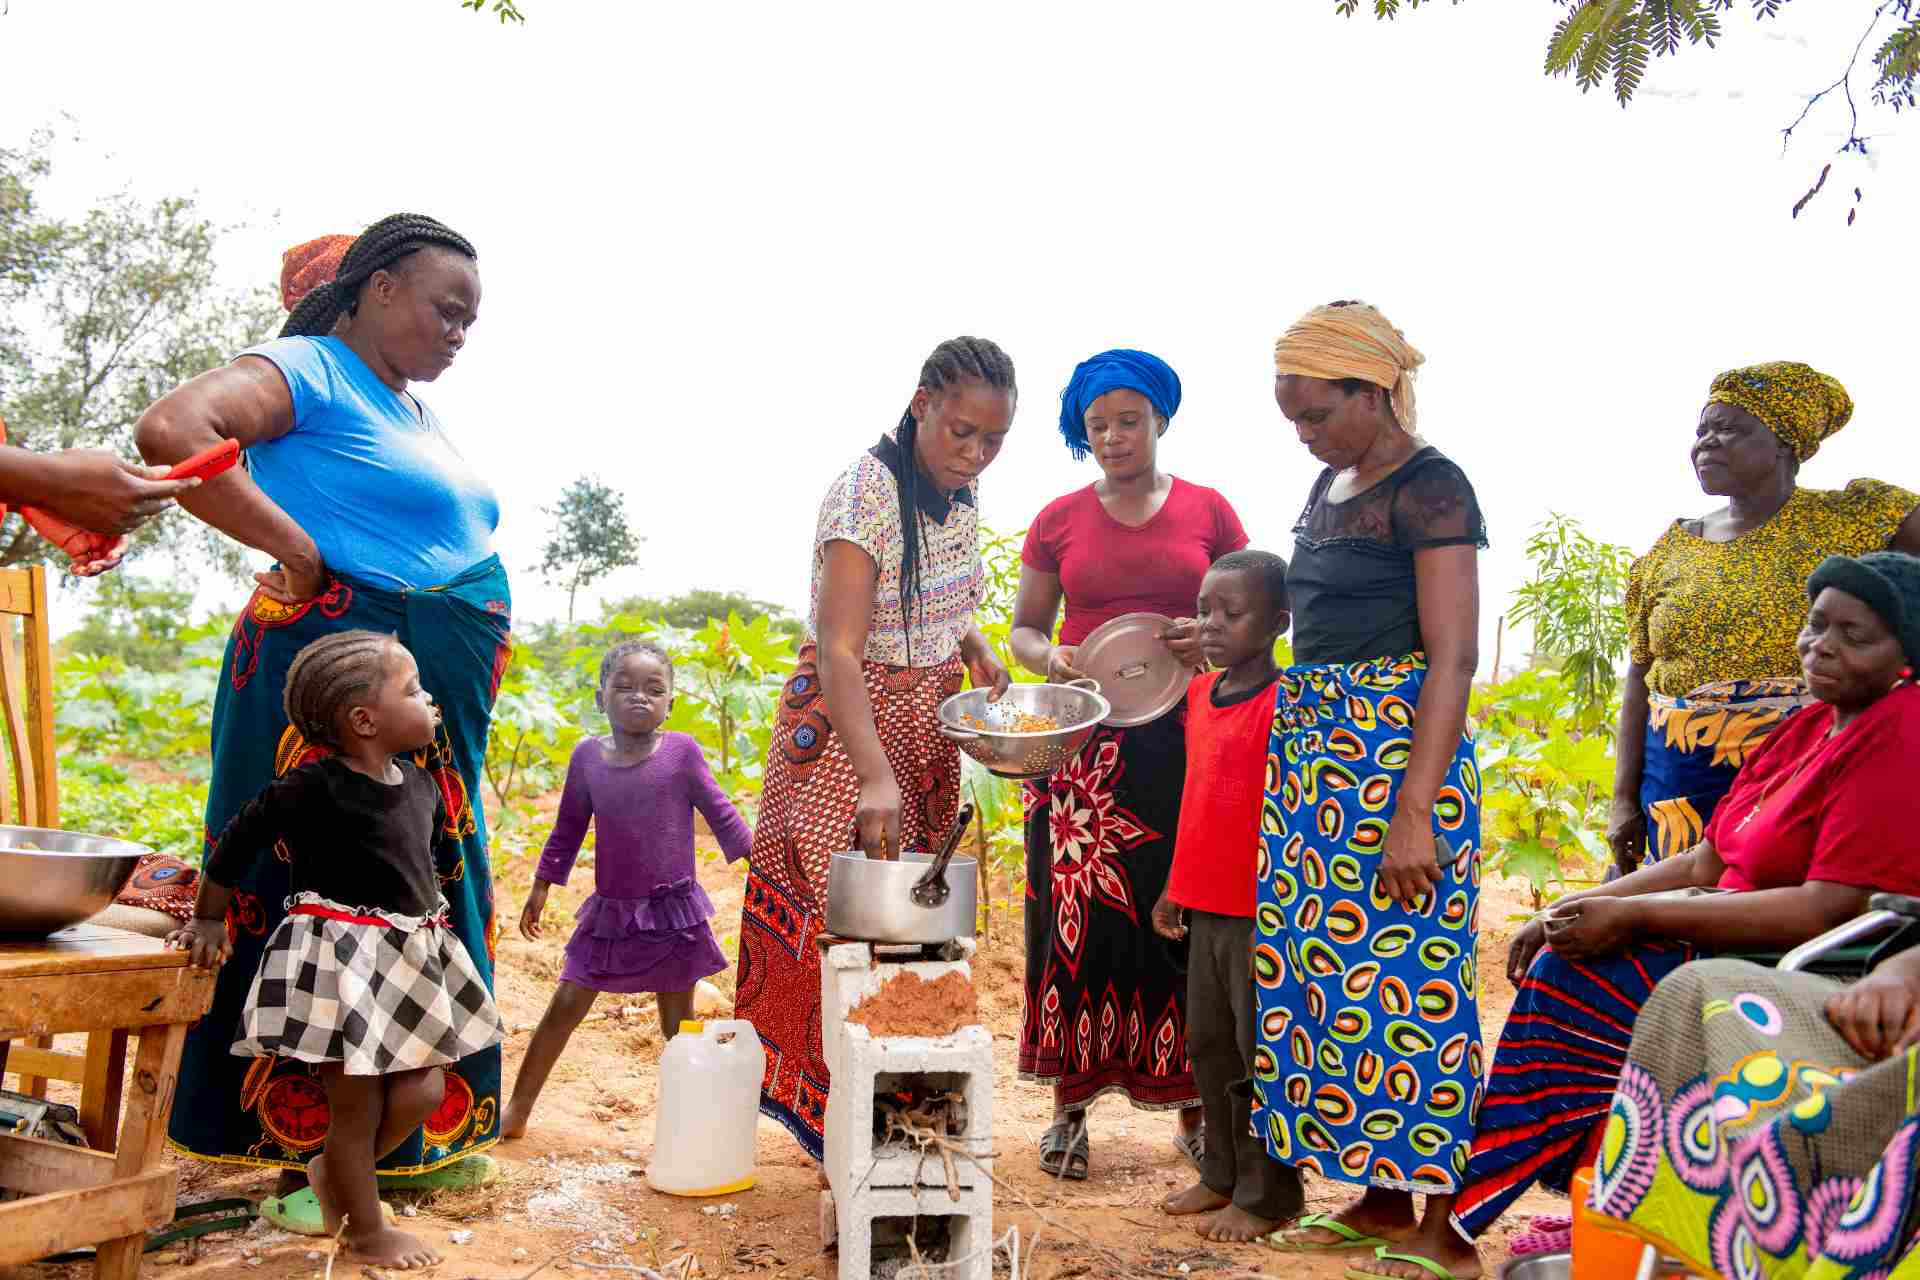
{"type": "Point", "coordinates": [374, 520]}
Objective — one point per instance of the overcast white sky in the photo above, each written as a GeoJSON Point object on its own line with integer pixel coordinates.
{"type": "Point", "coordinates": [717, 240]}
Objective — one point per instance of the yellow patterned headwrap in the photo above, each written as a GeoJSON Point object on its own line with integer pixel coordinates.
{"type": "Point", "coordinates": [1798, 403]}
{"type": "Point", "coordinates": [1352, 340]}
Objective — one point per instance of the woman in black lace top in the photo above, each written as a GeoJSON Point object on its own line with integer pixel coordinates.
{"type": "Point", "coordinates": [1370, 1058]}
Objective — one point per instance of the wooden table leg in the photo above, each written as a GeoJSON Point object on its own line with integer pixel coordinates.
{"type": "Point", "coordinates": [143, 1134]}
{"type": "Point", "coordinates": [105, 1076]}
{"type": "Point", "coordinates": [36, 1086]}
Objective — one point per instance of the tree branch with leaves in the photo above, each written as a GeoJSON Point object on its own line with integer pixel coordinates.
{"type": "Point", "coordinates": [1601, 41]}
{"type": "Point", "coordinates": [102, 315]}
{"type": "Point", "coordinates": [590, 537]}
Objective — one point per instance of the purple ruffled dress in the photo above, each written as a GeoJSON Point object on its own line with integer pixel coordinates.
{"type": "Point", "coordinates": [645, 926]}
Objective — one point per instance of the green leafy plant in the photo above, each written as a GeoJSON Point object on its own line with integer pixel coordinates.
{"type": "Point", "coordinates": [727, 679]}
{"type": "Point", "coordinates": [102, 797]}
{"type": "Point", "coordinates": [1544, 785]}
{"type": "Point", "coordinates": [1573, 602]}
{"type": "Point", "coordinates": [1000, 561]}
{"type": "Point", "coordinates": [506, 10]}
{"type": "Point", "coordinates": [536, 725]}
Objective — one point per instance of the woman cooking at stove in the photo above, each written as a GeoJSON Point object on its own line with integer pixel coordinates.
{"type": "Point", "coordinates": [856, 748]}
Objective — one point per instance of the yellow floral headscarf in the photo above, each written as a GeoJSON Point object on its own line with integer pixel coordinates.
{"type": "Point", "coordinates": [1352, 340]}
{"type": "Point", "coordinates": [1797, 402]}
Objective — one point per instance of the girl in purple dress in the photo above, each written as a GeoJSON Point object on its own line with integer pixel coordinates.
{"type": "Point", "coordinates": [645, 926]}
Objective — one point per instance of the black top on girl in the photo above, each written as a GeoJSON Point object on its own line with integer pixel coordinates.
{"type": "Point", "coordinates": [363, 978]}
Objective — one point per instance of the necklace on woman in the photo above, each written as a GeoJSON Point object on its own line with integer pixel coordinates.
{"type": "Point", "coordinates": [1779, 785]}
{"type": "Point", "coordinates": [1767, 795]}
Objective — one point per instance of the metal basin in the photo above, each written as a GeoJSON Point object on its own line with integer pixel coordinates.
{"type": "Point", "coordinates": [1540, 1266]}
{"type": "Point", "coordinates": [1077, 708]}
{"type": "Point", "coordinates": [868, 899]}
{"type": "Point", "coordinates": [52, 879]}
{"type": "Point", "coordinates": [1559, 1266]}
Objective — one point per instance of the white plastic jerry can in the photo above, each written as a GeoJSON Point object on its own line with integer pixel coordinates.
{"type": "Point", "coordinates": [703, 1126]}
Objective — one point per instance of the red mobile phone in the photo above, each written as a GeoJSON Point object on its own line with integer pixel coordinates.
{"type": "Point", "coordinates": [208, 463]}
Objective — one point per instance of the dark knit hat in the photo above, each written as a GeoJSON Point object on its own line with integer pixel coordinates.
{"type": "Point", "coordinates": [1887, 582]}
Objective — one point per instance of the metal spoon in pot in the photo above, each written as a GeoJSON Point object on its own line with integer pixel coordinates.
{"type": "Point", "coordinates": [931, 889]}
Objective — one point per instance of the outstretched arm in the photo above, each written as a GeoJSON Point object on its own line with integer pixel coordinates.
{"type": "Point", "coordinates": [247, 401]}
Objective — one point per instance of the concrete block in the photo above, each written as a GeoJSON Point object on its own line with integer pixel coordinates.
{"type": "Point", "coordinates": [873, 1223]}
{"type": "Point", "coordinates": [961, 1063]}
{"type": "Point", "coordinates": [848, 975]}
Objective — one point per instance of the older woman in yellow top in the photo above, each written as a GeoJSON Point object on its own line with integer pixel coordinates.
{"type": "Point", "coordinates": [1714, 607]}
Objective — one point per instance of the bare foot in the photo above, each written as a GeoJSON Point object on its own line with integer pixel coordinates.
{"type": "Point", "coordinates": [330, 1217]}
{"type": "Point", "coordinates": [513, 1123]}
{"type": "Point", "coordinates": [395, 1250]}
{"type": "Point", "coordinates": [1388, 1215]}
{"type": "Point", "coordinates": [1438, 1242]}
{"type": "Point", "coordinates": [1198, 1198]}
{"type": "Point", "coordinates": [1234, 1225]}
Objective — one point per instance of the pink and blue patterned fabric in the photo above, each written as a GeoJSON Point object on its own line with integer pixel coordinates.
{"type": "Point", "coordinates": [1747, 1138]}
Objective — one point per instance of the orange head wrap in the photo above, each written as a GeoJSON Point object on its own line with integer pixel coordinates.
{"type": "Point", "coordinates": [306, 267]}
{"type": "Point", "coordinates": [1352, 340]}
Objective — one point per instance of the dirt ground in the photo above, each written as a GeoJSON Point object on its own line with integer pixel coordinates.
{"type": "Point", "coordinates": [573, 1198]}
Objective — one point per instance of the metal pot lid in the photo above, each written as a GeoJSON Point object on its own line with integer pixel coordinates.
{"type": "Point", "coordinates": [1139, 676]}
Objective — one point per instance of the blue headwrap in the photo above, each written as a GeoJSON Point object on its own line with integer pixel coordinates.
{"type": "Point", "coordinates": [1115, 370]}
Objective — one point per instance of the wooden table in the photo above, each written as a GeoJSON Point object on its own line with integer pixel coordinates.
{"type": "Point", "coordinates": [94, 979]}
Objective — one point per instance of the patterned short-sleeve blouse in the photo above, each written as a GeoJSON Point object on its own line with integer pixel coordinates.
{"type": "Point", "coordinates": [863, 507]}
{"type": "Point", "coordinates": [1699, 612]}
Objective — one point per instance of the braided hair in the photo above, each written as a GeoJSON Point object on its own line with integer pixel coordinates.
{"type": "Point", "coordinates": [378, 248]}
{"type": "Point", "coordinates": [330, 675]}
{"type": "Point", "coordinates": [953, 361]}
{"type": "Point", "coordinates": [626, 649]}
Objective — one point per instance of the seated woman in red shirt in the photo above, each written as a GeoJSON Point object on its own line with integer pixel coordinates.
{"type": "Point", "coordinates": [1822, 816]}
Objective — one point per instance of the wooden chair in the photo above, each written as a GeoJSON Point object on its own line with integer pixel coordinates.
{"type": "Point", "coordinates": [26, 716]}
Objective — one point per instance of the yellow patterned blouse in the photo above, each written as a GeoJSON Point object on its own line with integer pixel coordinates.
{"type": "Point", "coordinates": [1700, 612]}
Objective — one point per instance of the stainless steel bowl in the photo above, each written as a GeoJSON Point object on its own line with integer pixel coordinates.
{"type": "Point", "coordinates": [52, 879]}
{"type": "Point", "coordinates": [1559, 1266]}
{"type": "Point", "coordinates": [1077, 708]}
{"type": "Point", "coordinates": [870, 900]}
{"type": "Point", "coordinates": [1540, 1266]}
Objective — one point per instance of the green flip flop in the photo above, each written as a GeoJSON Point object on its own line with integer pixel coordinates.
{"type": "Point", "coordinates": [464, 1174]}
{"type": "Point", "coordinates": [300, 1212]}
{"type": "Point", "coordinates": [1385, 1254]}
{"type": "Point", "coordinates": [240, 1216]}
{"type": "Point", "coordinates": [1350, 1240]}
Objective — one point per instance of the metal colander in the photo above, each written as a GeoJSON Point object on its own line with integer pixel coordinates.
{"type": "Point", "coordinates": [1076, 707]}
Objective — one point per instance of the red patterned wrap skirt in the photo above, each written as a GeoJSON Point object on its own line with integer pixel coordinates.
{"type": "Point", "coordinates": [807, 803]}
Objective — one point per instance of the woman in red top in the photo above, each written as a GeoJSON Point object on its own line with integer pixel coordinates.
{"type": "Point", "coordinates": [1105, 999]}
{"type": "Point", "coordinates": [1821, 817]}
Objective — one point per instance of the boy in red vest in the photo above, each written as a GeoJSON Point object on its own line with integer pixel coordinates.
{"type": "Point", "coordinates": [1242, 611]}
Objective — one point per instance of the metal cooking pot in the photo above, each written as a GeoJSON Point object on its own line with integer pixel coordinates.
{"type": "Point", "coordinates": [1077, 708]}
{"type": "Point", "coordinates": [52, 879]}
{"type": "Point", "coordinates": [871, 900]}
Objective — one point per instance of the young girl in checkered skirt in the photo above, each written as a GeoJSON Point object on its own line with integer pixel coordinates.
{"type": "Point", "coordinates": [363, 978]}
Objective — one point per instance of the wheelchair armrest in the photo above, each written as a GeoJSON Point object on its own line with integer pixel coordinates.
{"type": "Point", "coordinates": [1900, 902]}
{"type": "Point", "coordinates": [1841, 962]}
{"type": "Point", "coordinates": [1861, 927]}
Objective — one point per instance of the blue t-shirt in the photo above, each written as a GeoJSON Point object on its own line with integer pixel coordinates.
{"type": "Point", "coordinates": [369, 474]}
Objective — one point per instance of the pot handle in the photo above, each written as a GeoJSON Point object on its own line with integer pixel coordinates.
{"type": "Point", "coordinates": [1085, 682]}
{"type": "Point", "coordinates": [957, 735]}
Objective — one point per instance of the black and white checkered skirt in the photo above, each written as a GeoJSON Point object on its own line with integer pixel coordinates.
{"type": "Point", "coordinates": [374, 991]}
